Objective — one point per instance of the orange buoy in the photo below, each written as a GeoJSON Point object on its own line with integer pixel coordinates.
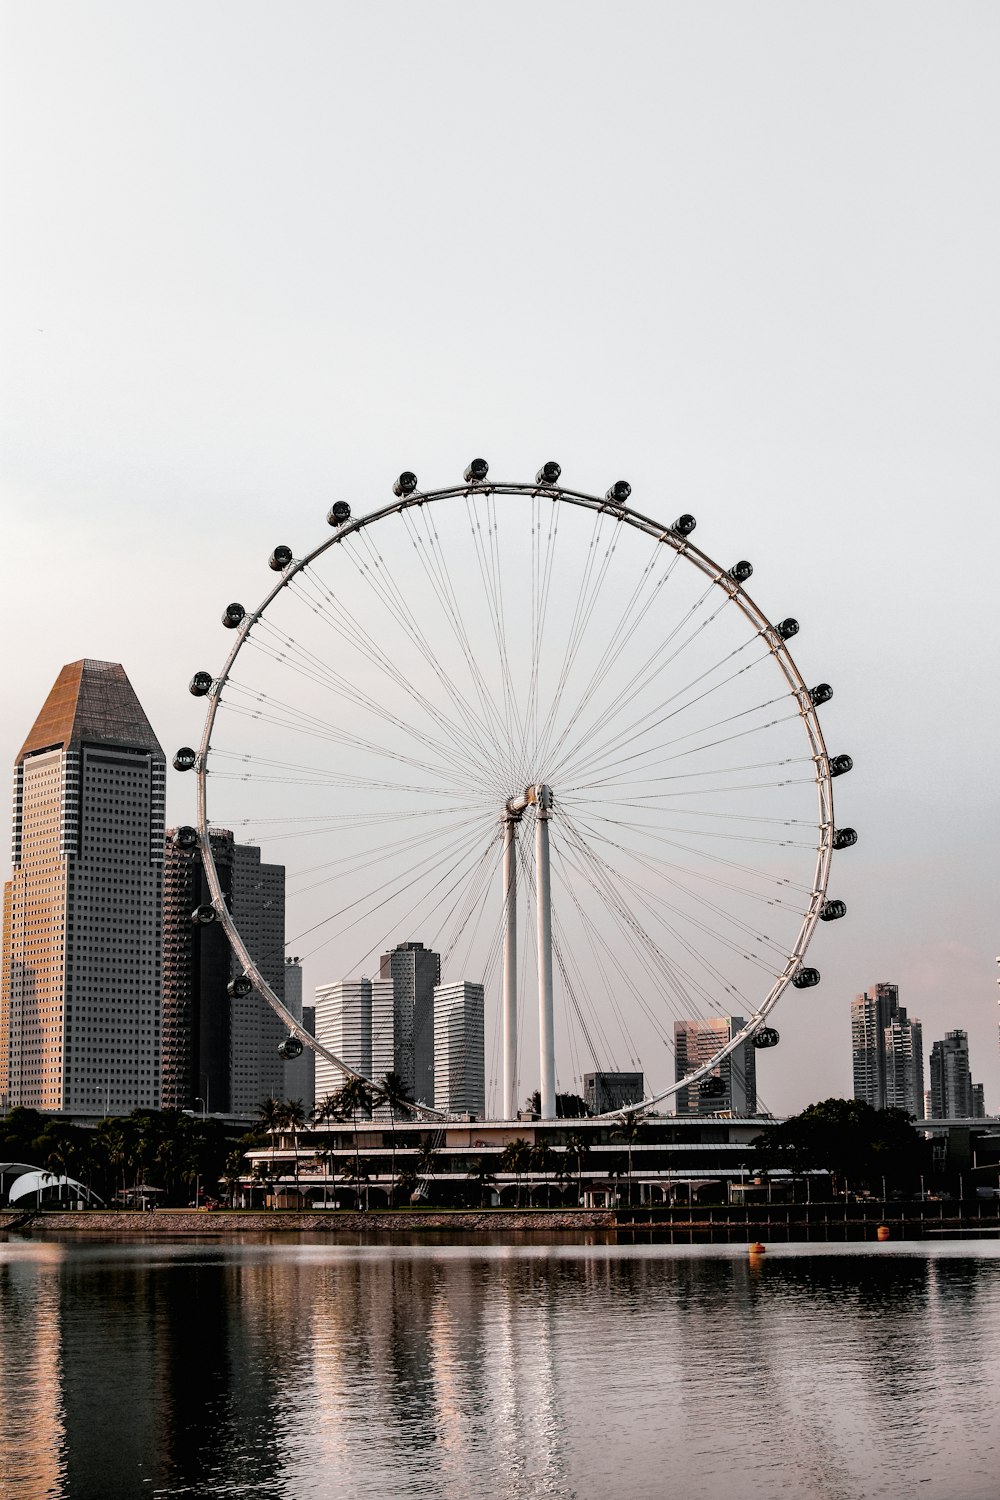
{"type": "Point", "coordinates": [757, 1248]}
{"type": "Point", "coordinates": [882, 1232]}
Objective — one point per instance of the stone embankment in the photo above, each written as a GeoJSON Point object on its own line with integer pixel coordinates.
{"type": "Point", "coordinates": [289, 1221]}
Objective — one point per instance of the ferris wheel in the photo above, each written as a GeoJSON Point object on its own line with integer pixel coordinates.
{"type": "Point", "coordinates": [548, 733]}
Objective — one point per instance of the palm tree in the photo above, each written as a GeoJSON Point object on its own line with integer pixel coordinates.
{"type": "Point", "coordinates": [481, 1172]}
{"type": "Point", "coordinates": [358, 1173]}
{"type": "Point", "coordinates": [541, 1158]}
{"type": "Point", "coordinates": [578, 1149]}
{"type": "Point", "coordinates": [628, 1131]}
{"type": "Point", "coordinates": [232, 1174]}
{"type": "Point", "coordinates": [515, 1158]}
{"type": "Point", "coordinates": [393, 1090]}
{"type": "Point", "coordinates": [354, 1095]}
{"type": "Point", "coordinates": [272, 1117]}
{"type": "Point", "coordinates": [262, 1173]}
{"type": "Point", "coordinates": [295, 1118]}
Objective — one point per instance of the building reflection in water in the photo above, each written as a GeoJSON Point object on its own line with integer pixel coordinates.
{"type": "Point", "coordinates": [296, 1369]}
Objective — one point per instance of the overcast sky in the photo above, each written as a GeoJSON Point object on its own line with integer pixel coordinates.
{"type": "Point", "coordinates": [258, 257]}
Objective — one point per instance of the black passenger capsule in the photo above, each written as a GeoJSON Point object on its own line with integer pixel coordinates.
{"type": "Point", "coordinates": [291, 1047]}
{"type": "Point", "coordinates": [203, 916]}
{"type": "Point", "coordinates": [405, 484]}
{"type": "Point", "coordinates": [684, 525]}
{"type": "Point", "coordinates": [741, 571]}
{"type": "Point", "coordinates": [280, 558]}
{"type": "Point", "coordinates": [240, 986]}
{"type": "Point", "coordinates": [787, 628]}
{"type": "Point", "coordinates": [840, 765]}
{"type": "Point", "coordinates": [339, 513]}
{"type": "Point", "coordinates": [185, 837]}
{"type": "Point", "coordinates": [766, 1037]}
{"type": "Point", "coordinates": [476, 471]}
{"type": "Point", "coordinates": [184, 759]}
{"type": "Point", "coordinates": [200, 684]}
{"type": "Point", "coordinates": [548, 474]}
{"type": "Point", "coordinates": [844, 838]}
{"type": "Point", "coordinates": [821, 693]}
{"type": "Point", "coordinates": [712, 1087]}
{"type": "Point", "coordinates": [619, 492]}
{"type": "Point", "coordinates": [830, 911]}
{"type": "Point", "coordinates": [805, 979]}
{"type": "Point", "coordinates": [233, 616]}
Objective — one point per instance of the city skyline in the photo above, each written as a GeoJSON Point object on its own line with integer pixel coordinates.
{"type": "Point", "coordinates": [799, 353]}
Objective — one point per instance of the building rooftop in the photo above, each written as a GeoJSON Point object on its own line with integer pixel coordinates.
{"type": "Point", "coordinates": [93, 702]}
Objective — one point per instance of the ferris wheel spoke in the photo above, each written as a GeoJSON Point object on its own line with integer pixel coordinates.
{"type": "Point", "coordinates": [350, 865]}
{"type": "Point", "coordinates": [392, 596]}
{"type": "Point", "coordinates": [463, 737]}
{"type": "Point", "coordinates": [433, 560]}
{"type": "Point", "coordinates": [625, 734]}
{"type": "Point", "coordinates": [618, 638]}
{"type": "Point", "coordinates": [637, 892]}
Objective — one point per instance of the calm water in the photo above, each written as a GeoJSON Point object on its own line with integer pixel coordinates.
{"type": "Point", "coordinates": [303, 1369]}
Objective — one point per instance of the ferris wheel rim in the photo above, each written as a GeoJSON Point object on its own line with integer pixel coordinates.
{"type": "Point", "coordinates": [718, 576]}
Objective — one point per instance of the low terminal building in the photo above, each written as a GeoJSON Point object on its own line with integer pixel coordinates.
{"type": "Point", "coordinates": [588, 1162]}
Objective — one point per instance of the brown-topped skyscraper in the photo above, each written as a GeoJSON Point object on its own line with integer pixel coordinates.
{"type": "Point", "coordinates": [80, 983]}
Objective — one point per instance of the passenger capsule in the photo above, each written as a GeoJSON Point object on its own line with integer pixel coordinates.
{"type": "Point", "coordinates": [684, 525]}
{"type": "Point", "coordinates": [184, 759]}
{"type": "Point", "coordinates": [831, 911]}
{"type": "Point", "coordinates": [240, 986]}
{"type": "Point", "coordinates": [339, 513]}
{"type": "Point", "coordinates": [548, 474]}
{"type": "Point", "coordinates": [290, 1048]}
{"type": "Point", "coordinates": [185, 837]}
{"type": "Point", "coordinates": [787, 628]}
{"type": "Point", "coordinates": [840, 765]}
{"type": "Point", "coordinates": [741, 571]}
{"type": "Point", "coordinates": [200, 684]}
{"type": "Point", "coordinates": [821, 693]}
{"type": "Point", "coordinates": [405, 484]}
{"type": "Point", "coordinates": [477, 471]}
{"type": "Point", "coordinates": [619, 492]}
{"type": "Point", "coordinates": [766, 1037]}
{"type": "Point", "coordinates": [805, 979]}
{"type": "Point", "coordinates": [712, 1087]}
{"type": "Point", "coordinates": [279, 559]}
{"type": "Point", "coordinates": [233, 616]}
{"type": "Point", "coordinates": [845, 838]}
{"type": "Point", "coordinates": [203, 916]}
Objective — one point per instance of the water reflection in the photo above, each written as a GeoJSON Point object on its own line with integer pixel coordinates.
{"type": "Point", "coordinates": [301, 1369]}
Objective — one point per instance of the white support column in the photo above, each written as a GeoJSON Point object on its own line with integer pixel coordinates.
{"type": "Point", "coordinates": [546, 1026]}
{"type": "Point", "coordinates": [510, 967]}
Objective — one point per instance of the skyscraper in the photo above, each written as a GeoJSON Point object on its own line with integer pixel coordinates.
{"type": "Point", "coordinates": [736, 1090]}
{"type": "Point", "coordinates": [220, 1052]}
{"type": "Point", "coordinates": [414, 971]}
{"type": "Point", "coordinates": [459, 1049]}
{"type": "Point", "coordinates": [80, 1000]}
{"type": "Point", "coordinates": [952, 1089]}
{"type": "Point", "coordinates": [344, 1025]}
{"type": "Point", "coordinates": [197, 967]}
{"type": "Point", "coordinates": [300, 1072]}
{"type": "Point", "coordinates": [888, 1052]}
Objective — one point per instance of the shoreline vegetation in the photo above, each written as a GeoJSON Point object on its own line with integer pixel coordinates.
{"type": "Point", "coordinates": [706, 1224]}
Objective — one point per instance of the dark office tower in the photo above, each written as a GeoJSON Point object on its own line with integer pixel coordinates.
{"type": "Point", "coordinates": [80, 1003]}
{"type": "Point", "coordinates": [952, 1089]}
{"type": "Point", "coordinates": [414, 971]}
{"type": "Point", "coordinates": [221, 1054]}
{"type": "Point", "coordinates": [257, 1071]}
{"type": "Point", "coordinates": [197, 967]}
{"type": "Point", "coordinates": [888, 1052]}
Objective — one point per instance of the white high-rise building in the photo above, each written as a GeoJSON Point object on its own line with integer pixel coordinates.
{"type": "Point", "coordinates": [459, 1049]}
{"type": "Point", "coordinates": [81, 975]}
{"type": "Point", "coordinates": [344, 1025]}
